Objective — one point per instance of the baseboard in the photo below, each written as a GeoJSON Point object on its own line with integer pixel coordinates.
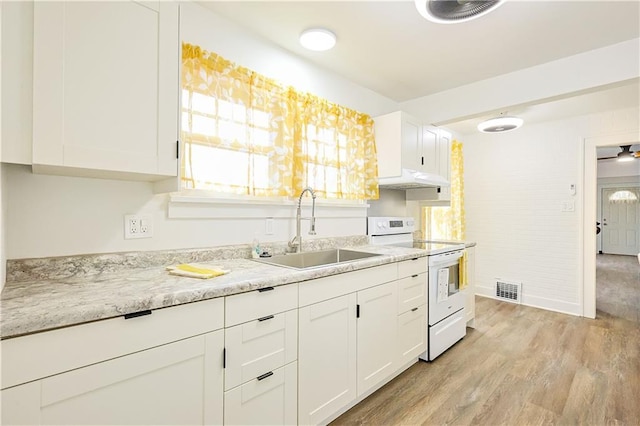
{"type": "Point", "coordinates": [538, 302]}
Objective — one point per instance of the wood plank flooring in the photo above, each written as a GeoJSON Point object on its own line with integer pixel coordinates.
{"type": "Point", "coordinates": [528, 366]}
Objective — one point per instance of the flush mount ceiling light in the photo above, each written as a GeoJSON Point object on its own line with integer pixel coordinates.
{"type": "Point", "coordinates": [500, 124]}
{"type": "Point", "coordinates": [455, 11]}
{"type": "Point", "coordinates": [318, 39]}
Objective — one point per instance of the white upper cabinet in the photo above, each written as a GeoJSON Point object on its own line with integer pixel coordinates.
{"type": "Point", "coordinates": [403, 142]}
{"type": "Point", "coordinates": [105, 89]}
{"type": "Point", "coordinates": [398, 143]}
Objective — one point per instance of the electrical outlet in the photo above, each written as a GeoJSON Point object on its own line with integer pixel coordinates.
{"type": "Point", "coordinates": [138, 226]}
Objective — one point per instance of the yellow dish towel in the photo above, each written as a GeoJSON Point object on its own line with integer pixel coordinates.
{"type": "Point", "coordinates": [195, 270]}
{"type": "Point", "coordinates": [462, 271]}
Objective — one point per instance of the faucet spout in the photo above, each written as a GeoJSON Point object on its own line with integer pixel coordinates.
{"type": "Point", "coordinates": [296, 242]}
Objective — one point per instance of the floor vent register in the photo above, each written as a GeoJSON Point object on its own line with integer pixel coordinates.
{"type": "Point", "coordinates": [508, 291]}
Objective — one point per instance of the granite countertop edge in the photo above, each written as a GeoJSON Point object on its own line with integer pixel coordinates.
{"type": "Point", "coordinates": [35, 306]}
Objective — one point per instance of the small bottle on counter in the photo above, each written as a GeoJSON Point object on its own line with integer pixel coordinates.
{"type": "Point", "coordinates": [255, 248]}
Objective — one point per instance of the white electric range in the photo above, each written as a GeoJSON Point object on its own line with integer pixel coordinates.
{"type": "Point", "coordinates": [446, 314]}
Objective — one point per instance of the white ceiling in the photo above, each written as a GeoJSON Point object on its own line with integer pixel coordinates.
{"type": "Point", "coordinates": [389, 48]}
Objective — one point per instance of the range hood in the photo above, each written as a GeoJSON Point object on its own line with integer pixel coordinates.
{"type": "Point", "coordinates": [410, 179]}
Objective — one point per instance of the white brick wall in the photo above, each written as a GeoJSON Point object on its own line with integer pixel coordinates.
{"type": "Point", "coordinates": [515, 186]}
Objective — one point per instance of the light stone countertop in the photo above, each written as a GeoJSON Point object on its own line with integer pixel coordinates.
{"type": "Point", "coordinates": [44, 304]}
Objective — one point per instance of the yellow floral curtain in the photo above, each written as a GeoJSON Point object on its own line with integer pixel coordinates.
{"type": "Point", "coordinates": [334, 150]}
{"type": "Point", "coordinates": [448, 223]}
{"type": "Point", "coordinates": [237, 128]}
{"type": "Point", "coordinates": [244, 133]}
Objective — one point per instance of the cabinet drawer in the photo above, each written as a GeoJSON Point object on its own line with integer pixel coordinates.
{"type": "Point", "coordinates": [270, 400]}
{"type": "Point", "coordinates": [43, 354]}
{"type": "Point", "coordinates": [260, 303]}
{"type": "Point", "coordinates": [325, 288]}
{"type": "Point", "coordinates": [411, 267]}
{"type": "Point", "coordinates": [259, 346]}
{"type": "Point", "coordinates": [412, 292]}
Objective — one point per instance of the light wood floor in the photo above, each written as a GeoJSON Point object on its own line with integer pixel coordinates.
{"type": "Point", "coordinates": [527, 366]}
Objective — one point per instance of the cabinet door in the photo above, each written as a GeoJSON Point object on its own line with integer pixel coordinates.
{"type": "Point", "coordinates": [411, 143]}
{"type": "Point", "coordinates": [377, 334]}
{"type": "Point", "coordinates": [412, 334]}
{"type": "Point", "coordinates": [269, 399]}
{"type": "Point", "coordinates": [444, 155]}
{"type": "Point", "coordinates": [106, 80]}
{"type": "Point", "coordinates": [428, 150]}
{"type": "Point", "coordinates": [326, 358]}
{"type": "Point", "coordinates": [21, 404]}
{"type": "Point", "coordinates": [178, 383]}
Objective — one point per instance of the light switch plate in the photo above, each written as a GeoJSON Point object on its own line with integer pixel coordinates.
{"type": "Point", "coordinates": [268, 226]}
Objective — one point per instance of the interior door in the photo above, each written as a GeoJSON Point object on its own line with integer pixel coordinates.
{"type": "Point", "coordinates": [620, 224]}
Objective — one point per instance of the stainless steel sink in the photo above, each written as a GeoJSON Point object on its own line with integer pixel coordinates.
{"type": "Point", "coordinates": [315, 259]}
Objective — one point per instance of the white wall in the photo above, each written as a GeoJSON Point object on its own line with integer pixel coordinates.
{"type": "Point", "coordinates": [55, 215]}
{"type": "Point", "coordinates": [3, 263]}
{"type": "Point", "coordinates": [212, 32]}
{"type": "Point", "coordinates": [3, 228]}
{"type": "Point", "coordinates": [515, 187]}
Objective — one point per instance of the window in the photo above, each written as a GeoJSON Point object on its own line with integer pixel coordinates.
{"type": "Point", "coordinates": [447, 222]}
{"type": "Point", "coordinates": [623, 196]}
{"type": "Point", "coordinates": [246, 134]}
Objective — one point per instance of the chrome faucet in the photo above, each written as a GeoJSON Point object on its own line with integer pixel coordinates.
{"type": "Point", "coordinates": [296, 242]}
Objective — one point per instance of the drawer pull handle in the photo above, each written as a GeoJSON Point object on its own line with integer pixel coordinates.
{"type": "Point", "coordinates": [137, 314]}
{"type": "Point", "coordinates": [414, 276]}
{"type": "Point", "coordinates": [415, 258]}
{"type": "Point", "coordinates": [265, 375]}
{"type": "Point", "coordinates": [268, 317]}
{"type": "Point", "coordinates": [265, 289]}
{"type": "Point", "coordinates": [414, 309]}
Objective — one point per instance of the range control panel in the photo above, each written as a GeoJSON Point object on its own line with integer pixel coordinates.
{"type": "Point", "coordinates": [390, 225]}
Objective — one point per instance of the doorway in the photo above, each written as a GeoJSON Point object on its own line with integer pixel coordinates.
{"type": "Point", "coordinates": [589, 214]}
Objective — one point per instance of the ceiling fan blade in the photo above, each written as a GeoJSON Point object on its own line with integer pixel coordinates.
{"type": "Point", "coordinates": [607, 158]}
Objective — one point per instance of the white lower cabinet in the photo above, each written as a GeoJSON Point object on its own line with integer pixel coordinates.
{"type": "Point", "coordinates": [269, 399]}
{"type": "Point", "coordinates": [377, 334]}
{"type": "Point", "coordinates": [176, 383]}
{"type": "Point", "coordinates": [326, 358]}
{"type": "Point", "coordinates": [261, 349]}
{"type": "Point", "coordinates": [412, 334]}
{"type": "Point", "coordinates": [260, 346]}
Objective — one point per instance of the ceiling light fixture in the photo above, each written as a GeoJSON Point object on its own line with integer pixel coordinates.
{"type": "Point", "coordinates": [453, 12]}
{"type": "Point", "coordinates": [318, 39]}
{"type": "Point", "coordinates": [500, 124]}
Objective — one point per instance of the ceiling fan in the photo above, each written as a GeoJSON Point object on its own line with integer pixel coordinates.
{"type": "Point", "coordinates": [625, 155]}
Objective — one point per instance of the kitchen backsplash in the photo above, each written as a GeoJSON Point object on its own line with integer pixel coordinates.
{"type": "Point", "coordinates": [91, 264]}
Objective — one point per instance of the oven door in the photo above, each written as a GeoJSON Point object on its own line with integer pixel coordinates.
{"type": "Point", "coordinates": [445, 297]}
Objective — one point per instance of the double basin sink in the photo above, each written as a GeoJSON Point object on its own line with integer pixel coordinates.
{"type": "Point", "coordinates": [316, 259]}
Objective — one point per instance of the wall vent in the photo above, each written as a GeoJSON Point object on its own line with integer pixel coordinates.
{"type": "Point", "coordinates": [509, 291]}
